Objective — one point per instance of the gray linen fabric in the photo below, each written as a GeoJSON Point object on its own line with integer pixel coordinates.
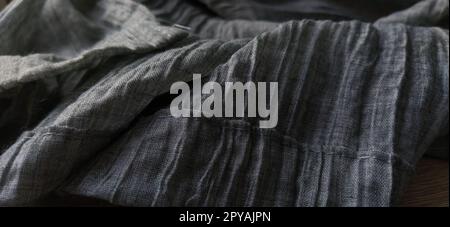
{"type": "Point", "coordinates": [84, 108]}
{"type": "Point", "coordinates": [424, 13]}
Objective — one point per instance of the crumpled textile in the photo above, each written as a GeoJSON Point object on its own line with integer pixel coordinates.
{"type": "Point", "coordinates": [84, 104]}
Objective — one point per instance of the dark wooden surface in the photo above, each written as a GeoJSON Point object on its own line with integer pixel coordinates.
{"type": "Point", "coordinates": [429, 188]}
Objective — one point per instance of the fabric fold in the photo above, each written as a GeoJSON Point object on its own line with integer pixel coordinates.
{"type": "Point", "coordinates": [86, 111]}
